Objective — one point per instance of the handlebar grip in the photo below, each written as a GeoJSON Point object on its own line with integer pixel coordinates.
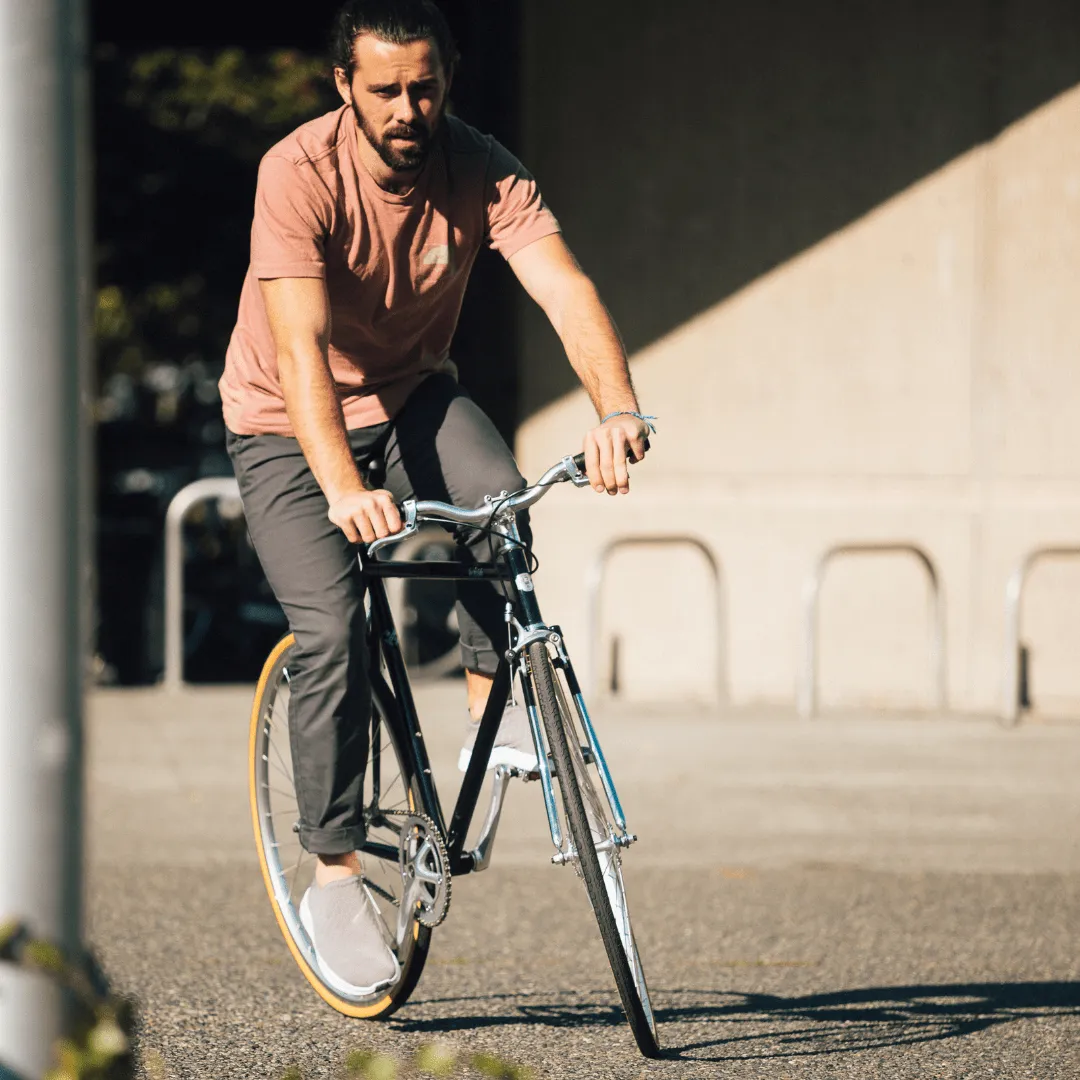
{"type": "Point", "coordinates": [579, 459]}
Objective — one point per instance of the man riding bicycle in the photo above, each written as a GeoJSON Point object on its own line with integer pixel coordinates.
{"type": "Point", "coordinates": [340, 399]}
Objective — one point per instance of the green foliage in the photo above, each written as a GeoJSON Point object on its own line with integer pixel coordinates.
{"type": "Point", "coordinates": [489, 1065]}
{"type": "Point", "coordinates": [226, 94]}
{"type": "Point", "coordinates": [434, 1059]}
{"type": "Point", "coordinates": [99, 1047]}
{"type": "Point", "coordinates": [43, 956]}
{"type": "Point", "coordinates": [371, 1066]}
{"type": "Point", "coordinates": [178, 137]}
{"type": "Point", "coordinates": [431, 1059]}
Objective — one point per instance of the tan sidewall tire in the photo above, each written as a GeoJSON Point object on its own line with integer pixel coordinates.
{"type": "Point", "coordinates": [385, 1005]}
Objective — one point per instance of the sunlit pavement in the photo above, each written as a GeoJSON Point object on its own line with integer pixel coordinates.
{"type": "Point", "coordinates": [856, 896]}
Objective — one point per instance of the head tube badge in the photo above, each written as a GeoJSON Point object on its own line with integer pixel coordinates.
{"type": "Point", "coordinates": [524, 582]}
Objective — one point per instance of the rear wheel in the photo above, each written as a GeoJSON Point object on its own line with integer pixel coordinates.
{"type": "Point", "coordinates": [596, 852]}
{"type": "Point", "coordinates": [288, 869]}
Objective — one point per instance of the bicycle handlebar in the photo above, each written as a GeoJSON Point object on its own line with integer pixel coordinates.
{"type": "Point", "coordinates": [415, 511]}
{"type": "Point", "coordinates": [570, 468]}
{"type": "Point", "coordinates": [425, 509]}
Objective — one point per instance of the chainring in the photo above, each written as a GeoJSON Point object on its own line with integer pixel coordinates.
{"type": "Point", "coordinates": [425, 869]}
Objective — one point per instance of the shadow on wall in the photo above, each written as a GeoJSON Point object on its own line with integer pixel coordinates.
{"type": "Point", "coordinates": [688, 148]}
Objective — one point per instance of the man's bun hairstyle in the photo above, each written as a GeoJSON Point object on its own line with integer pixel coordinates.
{"type": "Point", "coordinates": [399, 22]}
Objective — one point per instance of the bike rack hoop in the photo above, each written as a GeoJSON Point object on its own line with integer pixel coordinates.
{"type": "Point", "coordinates": [210, 487]}
{"type": "Point", "coordinates": [808, 689]}
{"type": "Point", "coordinates": [594, 583]}
{"type": "Point", "coordinates": [1014, 592]}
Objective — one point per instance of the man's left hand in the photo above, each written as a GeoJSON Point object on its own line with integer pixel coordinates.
{"type": "Point", "coordinates": [606, 452]}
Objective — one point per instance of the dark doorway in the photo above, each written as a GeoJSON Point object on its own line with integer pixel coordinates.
{"type": "Point", "coordinates": [177, 145]}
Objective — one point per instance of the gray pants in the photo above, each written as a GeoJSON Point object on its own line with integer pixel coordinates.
{"type": "Point", "coordinates": [439, 446]}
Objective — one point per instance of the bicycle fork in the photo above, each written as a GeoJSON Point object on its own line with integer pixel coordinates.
{"type": "Point", "coordinates": [591, 752]}
{"type": "Point", "coordinates": [521, 637]}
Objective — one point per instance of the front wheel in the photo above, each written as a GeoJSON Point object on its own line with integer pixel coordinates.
{"type": "Point", "coordinates": [596, 852]}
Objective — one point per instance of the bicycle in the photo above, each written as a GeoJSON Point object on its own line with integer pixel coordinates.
{"type": "Point", "coordinates": [411, 855]}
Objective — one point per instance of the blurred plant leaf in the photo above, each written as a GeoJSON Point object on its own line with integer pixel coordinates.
{"type": "Point", "coordinates": [178, 138]}
{"type": "Point", "coordinates": [218, 96]}
{"type": "Point", "coordinates": [98, 1046]}
{"type": "Point", "coordinates": [435, 1059]}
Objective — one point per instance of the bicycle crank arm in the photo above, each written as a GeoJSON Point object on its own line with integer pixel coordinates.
{"type": "Point", "coordinates": [481, 854]}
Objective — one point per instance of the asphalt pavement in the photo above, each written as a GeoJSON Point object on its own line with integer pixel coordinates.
{"type": "Point", "coordinates": [866, 895]}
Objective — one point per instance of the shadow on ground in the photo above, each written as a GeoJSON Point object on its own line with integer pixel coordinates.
{"type": "Point", "coordinates": [803, 1026]}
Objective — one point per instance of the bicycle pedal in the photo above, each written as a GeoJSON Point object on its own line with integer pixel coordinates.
{"type": "Point", "coordinates": [525, 776]}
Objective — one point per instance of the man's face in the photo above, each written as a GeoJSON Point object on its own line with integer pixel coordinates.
{"type": "Point", "coordinates": [398, 95]}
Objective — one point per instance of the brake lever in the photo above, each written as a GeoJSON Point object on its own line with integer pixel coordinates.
{"type": "Point", "coordinates": [573, 471]}
{"type": "Point", "coordinates": [408, 512]}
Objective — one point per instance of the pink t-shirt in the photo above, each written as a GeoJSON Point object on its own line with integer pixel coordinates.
{"type": "Point", "coordinates": [395, 266]}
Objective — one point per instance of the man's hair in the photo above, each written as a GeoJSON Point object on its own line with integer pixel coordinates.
{"type": "Point", "coordinates": [398, 22]}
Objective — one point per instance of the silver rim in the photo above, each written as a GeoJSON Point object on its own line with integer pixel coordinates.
{"type": "Point", "coordinates": [291, 868]}
{"type": "Point", "coordinates": [607, 851]}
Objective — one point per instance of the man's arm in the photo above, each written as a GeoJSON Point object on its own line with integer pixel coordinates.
{"type": "Point", "coordinates": [299, 315]}
{"type": "Point", "coordinates": [552, 277]}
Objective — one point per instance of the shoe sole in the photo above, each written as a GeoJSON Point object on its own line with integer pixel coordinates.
{"type": "Point", "coordinates": [335, 982]}
{"type": "Point", "coordinates": [502, 755]}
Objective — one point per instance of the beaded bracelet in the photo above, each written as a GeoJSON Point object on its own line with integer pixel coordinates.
{"type": "Point", "coordinates": [646, 420]}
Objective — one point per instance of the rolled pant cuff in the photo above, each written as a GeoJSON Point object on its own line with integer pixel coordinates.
{"type": "Point", "coordinates": [332, 841]}
{"type": "Point", "coordinates": [484, 661]}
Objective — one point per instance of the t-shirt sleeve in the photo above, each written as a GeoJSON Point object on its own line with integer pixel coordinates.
{"type": "Point", "coordinates": [291, 222]}
{"type": "Point", "coordinates": [516, 214]}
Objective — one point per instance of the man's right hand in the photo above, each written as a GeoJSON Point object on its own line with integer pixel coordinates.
{"type": "Point", "coordinates": [366, 515]}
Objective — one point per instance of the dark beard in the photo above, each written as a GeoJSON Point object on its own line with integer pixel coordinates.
{"type": "Point", "coordinates": [400, 157]}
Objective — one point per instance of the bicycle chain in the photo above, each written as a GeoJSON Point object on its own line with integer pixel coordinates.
{"type": "Point", "coordinates": [431, 831]}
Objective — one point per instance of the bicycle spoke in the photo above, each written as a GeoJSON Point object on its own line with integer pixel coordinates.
{"type": "Point", "coordinates": [288, 778]}
{"type": "Point", "coordinates": [281, 760]}
{"type": "Point", "coordinates": [386, 793]}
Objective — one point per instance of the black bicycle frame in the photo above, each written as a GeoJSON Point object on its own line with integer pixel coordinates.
{"type": "Point", "coordinates": [512, 569]}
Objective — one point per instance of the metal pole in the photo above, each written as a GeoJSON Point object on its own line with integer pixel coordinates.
{"type": "Point", "coordinates": [43, 293]}
{"type": "Point", "coordinates": [1014, 589]}
{"type": "Point", "coordinates": [806, 697]}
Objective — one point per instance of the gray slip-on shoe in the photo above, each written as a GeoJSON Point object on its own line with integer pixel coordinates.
{"type": "Point", "coordinates": [514, 744]}
{"type": "Point", "coordinates": [345, 929]}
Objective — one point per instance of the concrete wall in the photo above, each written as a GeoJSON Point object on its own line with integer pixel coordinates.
{"type": "Point", "coordinates": [843, 244]}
